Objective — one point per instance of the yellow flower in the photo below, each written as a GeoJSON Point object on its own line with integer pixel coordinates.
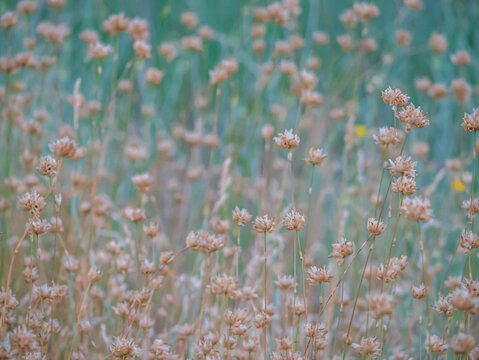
{"type": "Point", "coordinates": [360, 130]}
{"type": "Point", "coordinates": [458, 185]}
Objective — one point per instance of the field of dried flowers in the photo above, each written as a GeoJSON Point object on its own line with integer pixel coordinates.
{"type": "Point", "coordinates": [239, 179]}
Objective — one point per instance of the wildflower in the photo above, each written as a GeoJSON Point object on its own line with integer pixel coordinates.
{"type": "Point", "coordinates": [394, 268]}
{"type": "Point", "coordinates": [315, 157]}
{"type": "Point", "coordinates": [189, 19]}
{"type": "Point", "coordinates": [32, 202]}
{"type": "Point", "coordinates": [470, 122]}
{"type": "Point", "coordinates": [438, 43]}
{"type": "Point", "coordinates": [437, 91]}
{"type": "Point", "coordinates": [469, 241]}
{"type": "Point", "coordinates": [360, 131]}
{"type": "Point", "coordinates": [142, 182]}
{"type": "Point", "coordinates": [462, 300]}
{"type": "Point", "coordinates": [462, 344]}
{"type": "Point", "coordinates": [133, 214]}
{"type": "Point", "coordinates": [341, 250]}
{"type": "Point", "coordinates": [403, 165]}
{"type": "Point", "coordinates": [263, 224]}
{"type": "Point", "coordinates": [404, 185]}
{"type": "Point", "coordinates": [458, 185]}
{"type": "Point", "coordinates": [293, 221]}
{"type": "Point", "coordinates": [435, 344]}
{"type": "Point", "coordinates": [94, 275]}
{"type": "Point", "coordinates": [241, 217]}
{"type": "Point", "coordinates": [381, 305]}
{"type": "Point", "coordinates": [287, 140]}
{"type": "Point", "coordinates": [151, 230]}
{"type": "Point", "coordinates": [71, 263]}
{"type": "Point", "coordinates": [316, 275]}
{"type": "Point", "coordinates": [461, 58]}
{"type": "Point", "coordinates": [23, 340]}
{"type": "Point", "coordinates": [395, 98]}
{"type": "Point", "coordinates": [403, 37]}
{"type": "Point", "coordinates": [461, 90]}
{"type": "Point", "coordinates": [443, 305]}
{"type": "Point", "coordinates": [116, 23]}
{"type": "Point", "coordinates": [418, 292]}
{"type": "Point", "coordinates": [311, 98]}
{"type": "Point", "coordinates": [308, 79]}
{"type": "Point", "coordinates": [375, 226]}
{"type": "Point", "coordinates": [224, 284]}
{"type": "Point", "coordinates": [415, 5]}
{"type": "Point", "coordinates": [97, 50]}
{"type": "Point", "coordinates": [154, 76]}
{"type": "Point", "coordinates": [167, 50]}
{"type": "Point", "coordinates": [413, 117]}
{"type": "Point", "coordinates": [142, 49]}
{"type": "Point", "coordinates": [204, 242]}
{"type": "Point", "coordinates": [321, 37]}
{"type": "Point", "coordinates": [123, 347]}
{"type": "Point", "coordinates": [417, 209]}
{"type": "Point", "coordinates": [368, 346]}
{"type": "Point", "coordinates": [8, 20]}
{"type": "Point", "coordinates": [192, 43]}
{"type": "Point", "coordinates": [387, 136]}
{"type": "Point", "coordinates": [63, 147]}
{"type": "Point", "coordinates": [285, 283]}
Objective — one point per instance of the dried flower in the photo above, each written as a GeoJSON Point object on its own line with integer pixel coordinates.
{"type": "Point", "coordinates": [263, 224]}
{"type": "Point", "coordinates": [315, 157]}
{"type": "Point", "coordinates": [470, 122]}
{"type": "Point", "coordinates": [293, 221]}
{"type": "Point", "coordinates": [287, 140]}
{"type": "Point", "coordinates": [315, 275]}
{"type": "Point", "coordinates": [241, 217]}
{"type": "Point", "coordinates": [375, 226]}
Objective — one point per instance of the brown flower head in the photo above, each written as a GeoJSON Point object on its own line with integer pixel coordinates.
{"type": "Point", "coordinates": [293, 220]}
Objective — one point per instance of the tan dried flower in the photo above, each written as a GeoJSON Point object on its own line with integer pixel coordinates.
{"type": "Point", "coordinates": [241, 217]}
{"type": "Point", "coordinates": [142, 182]}
{"type": "Point", "coordinates": [63, 147]}
{"type": "Point", "coordinates": [404, 166]}
{"type": "Point", "coordinates": [404, 185]}
{"type": "Point", "coordinates": [413, 117]}
{"type": "Point", "coordinates": [387, 136]}
{"type": "Point", "coordinates": [32, 202]}
{"type": "Point", "coordinates": [48, 166]}
{"type": "Point", "coordinates": [417, 209]}
{"type": "Point", "coordinates": [311, 98]}
{"type": "Point", "coordinates": [469, 241]}
{"type": "Point", "coordinates": [293, 221]}
{"type": "Point", "coordinates": [315, 157]}
{"type": "Point", "coordinates": [438, 43]}
{"type": "Point", "coordinates": [123, 347]}
{"type": "Point", "coordinates": [264, 224]}
{"type": "Point", "coordinates": [462, 344]}
{"type": "Point", "coordinates": [341, 250]}
{"type": "Point", "coordinates": [418, 292]}
{"type": "Point", "coordinates": [97, 50]}
{"type": "Point", "coordinates": [461, 58]}
{"type": "Point", "coordinates": [287, 140]}
{"type": "Point", "coordinates": [395, 97]}
{"type": "Point", "coordinates": [470, 122]}
{"type": "Point", "coordinates": [315, 275]}
{"type": "Point", "coordinates": [375, 226]}
{"type": "Point", "coordinates": [368, 346]}
{"type": "Point", "coordinates": [435, 344]}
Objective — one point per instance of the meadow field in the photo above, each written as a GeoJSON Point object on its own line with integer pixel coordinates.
{"type": "Point", "coordinates": [239, 179]}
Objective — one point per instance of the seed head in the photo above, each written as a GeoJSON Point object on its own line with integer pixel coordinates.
{"type": "Point", "coordinates": [293, 221]}
{"type": "Point", "coordinates": [263, 224]}
{"type": "Point", "coordinates": [287, 140]}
